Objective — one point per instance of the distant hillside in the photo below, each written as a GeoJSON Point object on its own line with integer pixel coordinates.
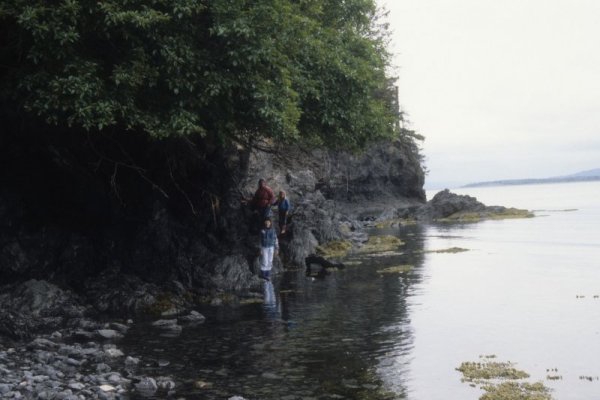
{"type": "Point", "coordinates": [589, 175]}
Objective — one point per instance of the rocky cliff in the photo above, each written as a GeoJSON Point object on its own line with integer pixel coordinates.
{"type": "Point", "coordinates": [137, 226]}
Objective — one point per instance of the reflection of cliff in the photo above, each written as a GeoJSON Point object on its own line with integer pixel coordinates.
{"type": "Point", "coordinates": [353, 324]}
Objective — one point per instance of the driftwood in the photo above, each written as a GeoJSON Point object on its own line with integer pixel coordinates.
{"type": "Point", "coordinates": [324, 263]}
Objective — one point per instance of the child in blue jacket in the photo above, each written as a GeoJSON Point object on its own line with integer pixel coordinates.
{"type": "Point", "coordinates": [283, 205]}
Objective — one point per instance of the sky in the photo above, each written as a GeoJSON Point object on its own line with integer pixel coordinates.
{"type": "Point", "coordinates": [500, 89]}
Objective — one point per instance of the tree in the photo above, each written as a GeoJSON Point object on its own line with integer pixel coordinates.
{"type": "Point", "coordinates": [229, 70]}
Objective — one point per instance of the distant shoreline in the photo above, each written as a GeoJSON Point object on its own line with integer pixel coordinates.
{"type": "Point", "coordinates": [512, 182]}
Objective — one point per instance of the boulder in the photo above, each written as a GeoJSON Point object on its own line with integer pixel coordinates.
{"type": "Point", "coordinates": [36, 305]}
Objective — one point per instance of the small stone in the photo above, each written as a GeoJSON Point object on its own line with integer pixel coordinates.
{"type": "Point", "coordinates": [147, 385]}
{"type": "Point", "coordinates": [76, 386]}
{"type": "Point", "coordinates": [193, 316]}
{"type": "Point", "coordinates": [202, 385]}
{"type": "Point", "coordinates": [165, 323]}
{"type": "Point", "coordinates": [270, 375]}
{"type": "Point", "coordinates": [119, 327]}
{"type": "Point", "coordinates": [101, 368]}
{"type": "Point", "coordinates": [130, 361]}
{"type": "Point", "coordinates": [114, 353]}
{"type": "Point", "coordinates": [171, 312]}
{"type": "Point", "coordinates": [107, 388]}
{"type": "Point", "coordinates": [165, 383]}
{"type": "Point", "coordinates": [109, 334]}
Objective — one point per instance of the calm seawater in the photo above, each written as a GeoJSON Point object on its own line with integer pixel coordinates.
{"type": "Point", "coordinates": [525, 292]}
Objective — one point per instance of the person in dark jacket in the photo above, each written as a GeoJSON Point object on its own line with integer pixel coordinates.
{"type": "Point", "coordinates": [269, 245]}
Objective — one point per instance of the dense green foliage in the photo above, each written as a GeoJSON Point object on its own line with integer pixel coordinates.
{"type": "Point", "coordinates": [231, 70]}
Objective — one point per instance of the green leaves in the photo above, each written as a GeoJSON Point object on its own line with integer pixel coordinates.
{"type": "Point", "coordinates": [303, 70]}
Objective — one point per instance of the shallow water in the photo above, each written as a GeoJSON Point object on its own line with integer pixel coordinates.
{"type": "Point", "coordinates": [359, 334]}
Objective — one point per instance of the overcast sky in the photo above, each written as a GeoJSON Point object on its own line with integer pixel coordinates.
{"type": "Point", "coordinates": [500, 89]}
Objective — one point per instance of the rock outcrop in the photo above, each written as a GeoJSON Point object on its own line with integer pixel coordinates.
{"type": "Point", "coordinates": [446, 206]}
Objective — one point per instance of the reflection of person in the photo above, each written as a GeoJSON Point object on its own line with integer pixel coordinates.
{"type": "Point", "coordinates": [269, 294]}
{"type": "Point", "coordinates": [269, 245]}
{"type": "Point", "coordinates": [283, 205]}
{"type": "Point", "coordinates": [270, 305]}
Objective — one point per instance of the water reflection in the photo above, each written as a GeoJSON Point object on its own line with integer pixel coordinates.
{"type": "Point", "coordinates": [345, 335]}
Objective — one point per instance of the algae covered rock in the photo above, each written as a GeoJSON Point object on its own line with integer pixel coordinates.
{"type": "Point", "coordinates": [334, 249]}
{"type": "Point", "coordinates": [381, 243]}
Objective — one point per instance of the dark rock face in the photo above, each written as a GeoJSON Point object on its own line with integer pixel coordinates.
{"type": "Point", "coordinates": [385, 170]}
{"type": "Point", "coordinates": [232, 273]}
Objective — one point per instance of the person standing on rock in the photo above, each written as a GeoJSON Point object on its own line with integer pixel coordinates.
{"type": "Point", "coordinates": [283, 205]}
{"type": "Point", "coordinates": [269, 245]}
{"type": "Point", "coordinates": [263, 199]}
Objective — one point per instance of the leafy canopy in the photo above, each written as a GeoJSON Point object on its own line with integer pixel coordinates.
{"type": "Point", "coordinates": [234, 70]}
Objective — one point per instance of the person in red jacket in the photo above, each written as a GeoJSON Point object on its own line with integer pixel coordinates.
{"type": "Point", "coordinates": [263, 199]}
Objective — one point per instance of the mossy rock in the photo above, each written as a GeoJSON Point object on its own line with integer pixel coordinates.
{"type": "Point", "coordinates": [475, 371]}
{"type": "Point", "coordinates": [397, 269]}
{"type": "Point", "coordinates": [487, 373]}
{"type": "Point", "coordinates": [516, 391]}
{"type": "Point", "coordinates": [507, 213]}
{"type": "Point", "coordinates": [377, 244]}
{"type": "Point", "coordinates": [334, 249]}
{"type": "Point", "coordinates": [451, 250]}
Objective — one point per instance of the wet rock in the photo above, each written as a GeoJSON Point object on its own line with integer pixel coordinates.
{"type": "Point", "coordinates": [131, 361]}
{"type": "Point", "coordinates": [122, 328]}
{"type": "Point", "coordinates": [146, 386]}
{"type": "Point", "coordinates": [193, 317]}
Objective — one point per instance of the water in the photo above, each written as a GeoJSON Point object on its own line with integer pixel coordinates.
{"type": "Point", "coordinates": [358, 334]}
